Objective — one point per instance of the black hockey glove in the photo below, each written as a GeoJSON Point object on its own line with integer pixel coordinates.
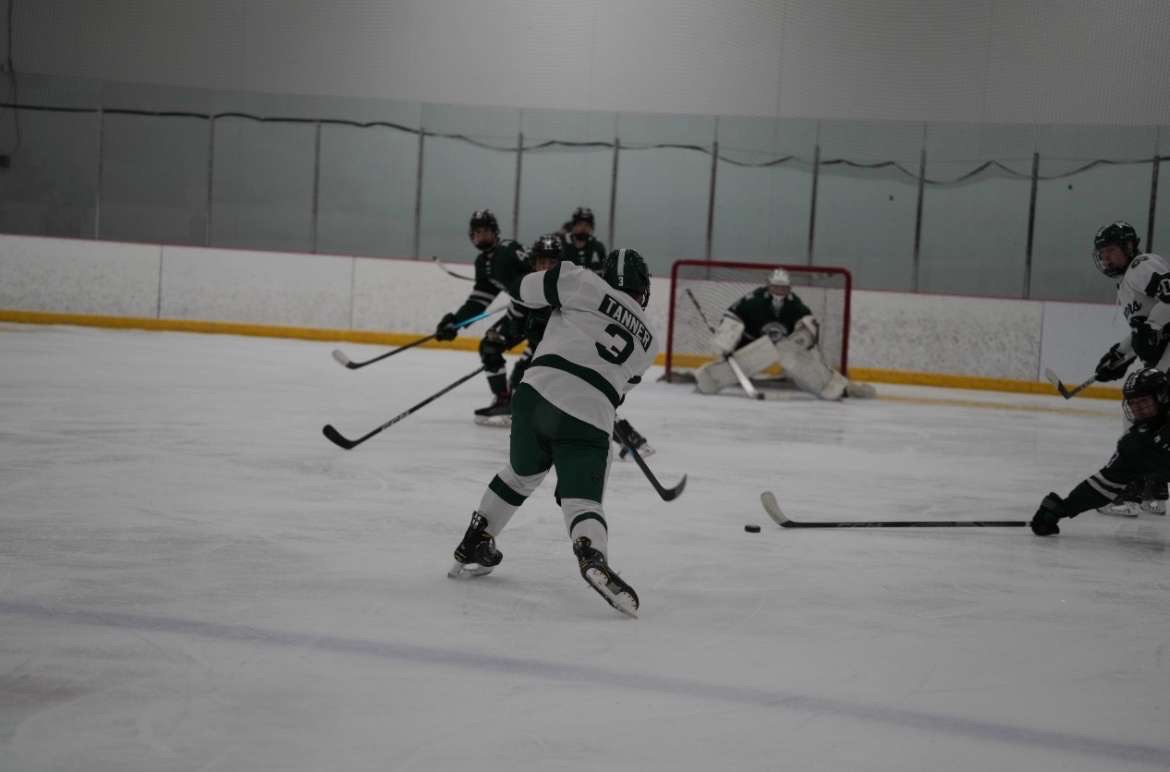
{"type": "Point", "coordinates": [1148, 342]}
{"type": "Point", "coordinates": [1113, 365]}
{"type": "Point", "coordinates": [446, 329]}
{"type": "Point", "coordinates": [1044, 521]}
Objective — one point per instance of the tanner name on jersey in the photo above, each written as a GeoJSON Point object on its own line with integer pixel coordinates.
{"type": "Point", "coordinates": [612, 308]}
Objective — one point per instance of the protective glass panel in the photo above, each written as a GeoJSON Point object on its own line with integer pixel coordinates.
{"type": "Point", "coordinates": [262, 188]}
{"type": "Point", "coordinates": [663, 187]}
{"type": "Point", "coordinates": [763, 190]}
{"type": "Point", "coordinates": [975, 209]}
{"type": "Point", "coordinates": [1077, 194]}
{"type": "Point", "coordinates": [867, 199]}
{"type": "Point", "coordinates": [1160, 240]}
{"type": "Point", "coordinates": [154, 179]}
{"type": "Point", "coordinates": [367, 191]}
{"type": "Point", "coordinates": [568, 162]}
{"type": "Point", "coordinates": [469, 163]}
{"type": "Point", "coordinates": [50, 189]}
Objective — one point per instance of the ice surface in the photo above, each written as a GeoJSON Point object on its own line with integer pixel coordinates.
{"type": "Point", "coordinates": [192, 577]}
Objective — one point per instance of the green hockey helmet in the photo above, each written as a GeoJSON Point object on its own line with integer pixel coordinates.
{"type": "Point", "coordinates": [625, 270]}
{"type": "Point", "coordinates": [1123, 235]}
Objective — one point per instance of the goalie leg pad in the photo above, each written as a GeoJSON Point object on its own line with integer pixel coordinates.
{"type": "Point", "coordinates": [713, 376]}
{"type": "Point", "coordinates": [753, 358]}
{"type": "Point", "coordinates": [804, 366]}
{"type": "Point", "coordinates": [757, 356]}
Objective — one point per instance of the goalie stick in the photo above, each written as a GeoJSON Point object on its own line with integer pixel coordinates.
{"type": "Point", "coordinates": [772, 507]}
{"type": "Point", "coordinates": [435, 259]}
{"type": "Point", "coordinates": [1065, 391]}
{"type": "Point", "coordinates": [342, 359]}
{"type": "Point", "coordinates": [744, 382]}
{"type": "Point", "coordinates": [338, 439]}
{"type": "Point", "coordinates": [667, 494]}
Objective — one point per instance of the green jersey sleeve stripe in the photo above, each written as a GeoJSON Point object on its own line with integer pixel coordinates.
{"type": "Point", "coordinates": [551, 277]}
{"type": "Point", "coordinates": [588, 516]}
{"type": "Point", "coordinates": [592, 377]}
{"type": "Point", "coordinates": [501, 489]}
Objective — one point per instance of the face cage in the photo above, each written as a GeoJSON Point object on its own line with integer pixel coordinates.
{"type": "Point", "coordinates": [1142, 408]}
{"type": "Point", "coordinates": [1113, 273]}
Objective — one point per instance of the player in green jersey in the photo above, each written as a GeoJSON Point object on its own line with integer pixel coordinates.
{"type": "Point", "coordinates": [580, 245]}
{"type": "Point", "coordinates": [500, 263]}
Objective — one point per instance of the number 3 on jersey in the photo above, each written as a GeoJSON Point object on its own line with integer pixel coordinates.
{"type": "Point", "coordinates": [612, 353]}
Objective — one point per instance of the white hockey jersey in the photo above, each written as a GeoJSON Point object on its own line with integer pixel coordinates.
{"type": "Point", "coordinates": [596, 347]}
{"type": "Point", "coordinates": [1137, 289]}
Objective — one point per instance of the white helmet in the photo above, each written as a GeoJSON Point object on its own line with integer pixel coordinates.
{"type": "Point", "coordinates": [779, 278]}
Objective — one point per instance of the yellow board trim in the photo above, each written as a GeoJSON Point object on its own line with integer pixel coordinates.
{"type": "Point", "coordinates": [975, 382]}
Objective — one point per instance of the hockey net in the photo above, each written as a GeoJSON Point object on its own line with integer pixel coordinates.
{"type": "Point", "coordinates": [715, 286]}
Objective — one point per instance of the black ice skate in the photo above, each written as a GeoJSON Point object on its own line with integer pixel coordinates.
{"type": "Point", "coordinates": [476, 555]}
{"type": "Point", "coordinates": [1128, 504]}
{"type": "Point", "coordinates": [499, 413]}
{"type": "Point", "coordinates": [1154, 497]}
{"type": "Point", "coordinates": [604, 579]}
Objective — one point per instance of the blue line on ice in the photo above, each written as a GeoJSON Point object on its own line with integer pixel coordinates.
{"type": "Point", "coordinates": [556, 671]}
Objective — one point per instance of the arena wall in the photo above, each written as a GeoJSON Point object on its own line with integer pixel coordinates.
{"type": "Point", "coordinates": [966, 342]}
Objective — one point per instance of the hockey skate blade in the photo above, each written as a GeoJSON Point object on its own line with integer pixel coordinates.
{"type": "Point", "coordinates": [468, 571]}
{"type": "Point", "coordinates": [772, 507]}
{"type": "Point", "coordinates": [494, 421]}
{"type": "Point", "coordinates": [620, 601]}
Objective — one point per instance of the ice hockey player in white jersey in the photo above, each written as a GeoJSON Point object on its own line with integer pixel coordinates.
{"type": "Point", "coordinates": [771, 325]}
{"type": "Point", "coordinates": [596, 347]}
{"type": "Point", "coordinates": [1143, 294]}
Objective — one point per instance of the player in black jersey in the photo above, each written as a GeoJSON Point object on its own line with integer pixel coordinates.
{"type": "Point", "coordinates": [1143, 452]}
{"type": "Point", "coordinates": [500, 263]}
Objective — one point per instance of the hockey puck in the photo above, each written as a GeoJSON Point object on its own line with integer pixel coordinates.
{"type": "Point", "coordinates": [751, 528]}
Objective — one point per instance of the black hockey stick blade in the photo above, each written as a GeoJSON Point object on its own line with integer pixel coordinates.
{"type": "Point", "coordinates": [667, 494]}
{"type": "Point", "coordinates": [772, 507]}
{"type": "Point", "coordinates": [337, 438]}
{"type": "Point", "coordinates": [341, 441]}
{"type": "Point", "coordinates": [1065, 391]}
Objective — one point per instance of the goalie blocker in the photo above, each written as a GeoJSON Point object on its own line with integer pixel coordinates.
{"type": "Point", "coordinates": [796, 353]}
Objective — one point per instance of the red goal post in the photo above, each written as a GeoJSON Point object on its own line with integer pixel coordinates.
{"type": "Point", "coordinates": [716, 285]}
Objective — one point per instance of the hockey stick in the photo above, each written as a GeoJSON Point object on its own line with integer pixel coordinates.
{"type": "Point", "coordinates": [667, 494]}
{"type": "Point", "coordinates": [744, 382]}
{"type": "Point", "coordinates": [341, 441]}
{"type": "Point", "coordinates": [448, 271]}
{"type": "Point", "coordinates": [699, 308]}
{"type": "Point", "coordinates": [342, 359]}
{"type": "Point", "coordinates": [1065, 391]}
{"type": "Point", "coordinates": [768, 499]}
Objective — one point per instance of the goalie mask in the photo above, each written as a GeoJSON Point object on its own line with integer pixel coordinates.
{"type": "Point", "coordinates": [483, 219]}
{"type": "Point", "coordinates": [1146, 395]}
{"type": "Point", "coordinates": [779, 283]}
{"type": "Point", "coordinates": [625, 270]}
{"type": "Point", "coordinates": [1114, 246]}
{"type": "Point", "coordinates": [545, 252]}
